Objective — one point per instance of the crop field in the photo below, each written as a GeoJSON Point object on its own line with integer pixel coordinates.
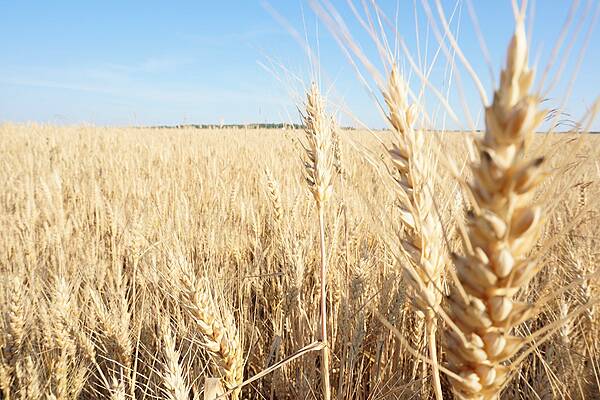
{"type": "Point", "coordinates": [137, 262]}
{"type": "Point", "coordinates": [452, 254]}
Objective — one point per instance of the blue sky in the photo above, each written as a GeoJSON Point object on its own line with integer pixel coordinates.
{"type": "Point", "coordinates": [157, 62]}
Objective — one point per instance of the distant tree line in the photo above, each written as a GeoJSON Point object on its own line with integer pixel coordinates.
{"type": "Point", "coordinates": [279, 125]}
{"type": "Point", "coordinates": [233, 126]}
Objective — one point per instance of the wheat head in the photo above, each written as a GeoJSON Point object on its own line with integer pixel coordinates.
{"type": "Point", "coordinates": [422, 244]}
{"type": "Point", "coordinates": [502, 229]}
{"type": "Point", "coordinates": [319, 154]}
{"type": "Point", "coordinates": [319, 177]}
{"type": "Point", "coordinates": [220, 337]}
{"type": "Point", "coordinates": [173, 377]}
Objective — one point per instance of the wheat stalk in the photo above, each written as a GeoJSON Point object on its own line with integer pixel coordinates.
{"type": "Point", "coordinates": [114, 330]}
{"type": "Point", "coordinates": [423, 244]}
{"type": "Point", "coordinates": [117, 389]}
{"type": "Point", "coordinates": [219, 335]}
{"type": "Point", "coordinates": [319, 175]}
{"type": "Point", "coordinates": [338, 163]}
{"type": "Point", "coordinates": [174, 381]}
{"type": "Point", "coordinates": [275, 199]}
{"type": "Point", "coordinates": [502, 229]}
{"type": "Point", "coordinates": [61, 319]}
{"type": "Point", "coordinates": [15, 320]}
{"type": "Point", "coordinates": [28, 376]}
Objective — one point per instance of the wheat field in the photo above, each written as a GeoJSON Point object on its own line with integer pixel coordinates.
{"type": "Point", "coordinates": [135, 263]}
{"type": "Point", "coordinates": [313, 261]}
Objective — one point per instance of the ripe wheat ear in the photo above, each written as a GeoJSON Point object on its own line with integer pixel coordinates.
{"type": "Point", "coordinates": [318, 165]}
{"type": "Point", "coordinates": [502, 228]}
{"type": "Point", "coordinates": [422, 245]}
{"type": "Point", "coordinates": [220, 335]}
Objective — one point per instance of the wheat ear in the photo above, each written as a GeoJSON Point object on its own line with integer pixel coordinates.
{"type": "Point", "coordinates": [174, 381]}
{"type": "Point", "coordinates": [275, 199]}
{"type": "Point", "coordinates": [502, 229]}
{"type": "Point", "coordinates": [117, 389]}
{"type": "Point", "coordinates": [219, 335]}
{"type": "Point", "coordinates": [15, 322]}
{"type": "Point", "coordinates": [318, 169]}
{"type": "Point", "coordinates": [318, 127]}
{"type": "Point", "coordinates": [28, 375]}
{"type": "Point", "coordinates": [423, 242]}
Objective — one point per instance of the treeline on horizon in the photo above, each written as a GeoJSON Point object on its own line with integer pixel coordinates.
{"type": "Point", "coordinates": [281, 125]}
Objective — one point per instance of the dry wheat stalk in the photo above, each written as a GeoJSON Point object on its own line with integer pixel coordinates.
{"type": "Point", "coordinates": [64, 347]}
{"type": "Point", "coordinates": [502, 230]}
{"type": "Point", "coordinates": [423, 242]}
{"type": "Point", "coordinates": [220, 337]}
{"type": "Point", "coordinates": [11, 344]}
{"type": "Point", "coordinates": [319, 176]}
{"type": "Point", "coordinates": [29, 379]}
{"type": "Point", "coordinates": [174, 381]}
{"type": "Point", "coordinates": [117, 389]}
{"type": "Point", "coordinates": [14, 317]}
{"type": "Point", "coordinates": [275, 199]}
{"type": "Point", "coordinates": [338, 163]}
{"type": "Point", "coordinates": [115, 333]}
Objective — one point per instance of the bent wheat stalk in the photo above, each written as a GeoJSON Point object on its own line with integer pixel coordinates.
{"type": "Point", "coordinates": [423, 242]}
{"type": "Point", "coordinates": [502, 229]}
{"type": "Point", "coordinates": [220, 338]}
{"type": "Point", "coordinates": [318, 170]}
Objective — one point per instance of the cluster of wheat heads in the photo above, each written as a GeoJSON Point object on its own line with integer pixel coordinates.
{"type": "Point", "coordinates": [504, 223]}
{"type": "Point", "coordinates": [485, 308]}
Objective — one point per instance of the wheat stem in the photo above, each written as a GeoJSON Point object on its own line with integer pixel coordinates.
{"type": "Point", "coordinates": [325, 351]}
{"type": "Point", "coordinates": [318, 170]}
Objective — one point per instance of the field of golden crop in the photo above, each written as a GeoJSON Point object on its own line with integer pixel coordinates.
{"type": "Point", "coordinates": [134, 263]}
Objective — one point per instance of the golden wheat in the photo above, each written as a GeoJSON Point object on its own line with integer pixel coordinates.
{"type": "Point", "coordinates": [219, 335]}
{"type": "Point", "coordinates": [422, 242]}
{"type": "Point", "coordinates": [128, 222]}
{"type": "Point", "coordinates": [503, 228]}
{"type": "Point", "coordinates": [319, 176]}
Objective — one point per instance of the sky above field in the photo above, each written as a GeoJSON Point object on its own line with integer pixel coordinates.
{"type": "Point", "coordinates": [239, 61]}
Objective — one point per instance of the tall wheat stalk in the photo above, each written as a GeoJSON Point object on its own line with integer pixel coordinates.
{"type": "Point", "coordinates": [318, 169]}
{"type": "Point", "coordinates": [219, 334]}
{"type": "Point", "coordinates": [422, 244]}
{"type": "Point", "coordinates": [502, 228]}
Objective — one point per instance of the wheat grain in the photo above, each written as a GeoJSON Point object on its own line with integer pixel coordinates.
{"type": "Point", "coordinates": [29, 379]}
{"type": "Point", "coordinates": [319, 155]}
